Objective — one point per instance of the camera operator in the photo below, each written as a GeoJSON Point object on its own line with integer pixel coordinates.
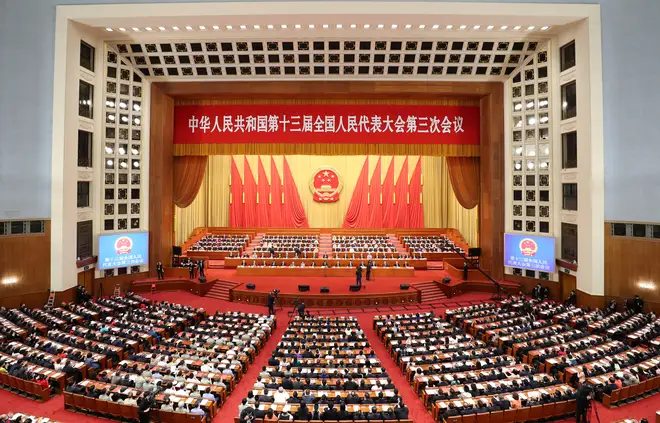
{"type": "Point", "coordinates": [272, 296]}
{"type": "Point", "coordinates": [584, 396]}
{"type": "Point", "coordinates": [144, 410]}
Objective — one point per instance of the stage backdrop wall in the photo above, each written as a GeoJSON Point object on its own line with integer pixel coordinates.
{"type": "Point", "coordinates": [441, 207]}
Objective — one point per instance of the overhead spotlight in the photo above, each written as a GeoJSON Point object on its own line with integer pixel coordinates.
{"type": "Point", "coordinates": [518, 107]}
{"type": "Point", "coordinates": [340, 26]}
{"type": "Point", "coordinates": [504, 27]}
{"type": "Point", "coordinates": [243, 27]}
{"type": "Point", "coordinates": [366, 26]}
{"type": "Point", "coordinates": [189, 28]}
{"type": "Point", "coordinates": [530, 165]}
{"type": "Point", "coordinates": [517, 28]}
{"type": "Point", "coordinates": [109, 29]}
{"type": "Point", "coordinates": [422, 26]}
{"type": "Point", "coordinates": [149, 28]}
{"type": "Point", "coordinates": [353, 26]}
{"type": "Point", "coordinates": [408, 26]}
{"type": "Point", "coordinates": [544, 165]}
{"type": "Point", "coordinates": [122, 29]}
{"type": "Point", "coordinates": [109, 150]}
{"type": "Point", "coordinates": [109, 103]}
{"type": "Point", "coordinates": [122, 150]}
{"type": "Point", "coordinates": [518, 166]}
{"type": "Point", "coordinates": [136, 29]}
{"type": "Point", "coordinates": [519, 151]}
{"type": "Point", "coordinates": [436, 26]}
{"type": "Point", "coordinates": [530, 105]}
{"type": "Point", "coordinates": [123, 165]}
{"type": "Point", "coordinates": [395, 26]}
{"type": "Point", "coordinates": [216, 27]}
{"type": "Point", "coordinates": [381, 26]}
{"type": "Point", "coordinates": [462, 27]}
{"type": "Point", "coordinates": [162, 28]}
{"type": "Point", "coordinates": [545, 28]}
{"type": "Point", "coordinates": [256, 27]}
{"type": "Point", "coordinates": [202, 28]}
{"type": "Point", "coordinates": [564, 104]}
{"type": "Point", "coordinates": [122, 105]}
{"type": "Point", "coordinates": [175, 28]}
{"type": "Point", "coordinates": [544, 119]}
{"type": "Point", "coordinates": [135, 151]}
{"type": "Point", "coordinates": [109, 162]}
{"type": "Point", "coordinates": [298, 26]}
{"type": "Point", "coordinates": [450, 26]}
{"type": "Point", "coordinates": [229, 27]}
{"type": "Point", "coordinates": [136, 164]}
{"type": "Point", "coordinates": [124, 119]}
{"type": "Point", "coordinates": [531, 28]}
{"type": "Point", "coordinates": [136, 121]}
{"type": "Point", "coordinates": [326, 26]}
{"type": "Point", "coordinates": [531, 121]}
{"type": "Point", "coordinates": [271, 27]}
{"type": "Point", "coordinates": [111, 117]}
{"type": "Point", "coordinates": [284, 26]}
{"type": "Point", "coordinates": [490, 27]}
{"type": "Point", "coordinates": [476, 27]}
{"type": "Point", "coordinates": [311, 26]}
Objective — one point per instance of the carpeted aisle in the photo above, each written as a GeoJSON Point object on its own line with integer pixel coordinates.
{"type": "Point", "coordinates": [54, 409]}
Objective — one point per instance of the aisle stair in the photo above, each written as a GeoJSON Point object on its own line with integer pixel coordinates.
{"type": "Point", "coordinates": [431, 291]}
{"type": "Point", "coordinates": [397, 244]}
{"type": "Point", "coordinates": [325, 245]}
{"type": "Point", "coordinates": [221, 290]}
{"type": "Point", "coordinates": [256, 241]}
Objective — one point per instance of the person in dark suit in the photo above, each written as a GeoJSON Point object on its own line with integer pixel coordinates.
{"type": "Point", "coordinates": [572, 299]}
{"type": "Point", "coordinates": [358, 276]}
{"type": "Point", "coordinates": [191, 270]}
{"type": "Point", "coordinates": [401, 411]}
{"type": "Point", "coordinates": [330, 414]}
{"type": "Point", "coordinates": [159, 271]}
{"type": "Point", "coordinates": [343, 414]}
{"type": "Point", "coordinates": [301, 309]}
{"type": "Point", "coordinates": [370, 265]}
{"type": "Point", "coordinates": [200, 267]}
{"type": "Point", "coordinates": [303, 414]}
{"type": "Point", "coordinates": [374, 414]}
{"type": "Point", "coordinates": [271, 303]}
{"type": "Point", "coordinates": [389, 414]}
{"type": "Point", "coordinates": [465, 270]}
{"type": "Point", "coordinates": [582, 403]}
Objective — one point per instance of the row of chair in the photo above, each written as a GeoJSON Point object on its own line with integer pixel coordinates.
{"type": "Point", "coordinates": [125, 412]}
{"type": "Point", "coordinates": [525, 414]}
{"type": "Point", "coordinates": [30, 388]}
{"type": "Point", "coordinates": [238, 420]}
{"type": "Point", "coordinates": [631, 393]}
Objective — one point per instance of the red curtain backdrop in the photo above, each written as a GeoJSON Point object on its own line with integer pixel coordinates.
{"type": "Point", "coordinates": [188, 177]}
{"type": "Point", "coordinates": [401, 197]}
{"type": "Point", "coordinates": [263, 197]}
{"type": "Point", "coordinates": [416, 208]}
{"type": "Point", "coordinates": [294, 212]}
{"type": "Point", "coordinates": [387, 202]}
{"type": "Point", "coordinates": [236, 203]}
{"type": "Point", "coordinates": [250, 219]}
{"type": "Point", "coordinates": [357, 215]}
{"type": "Point", "coordinates": [375, 189]}
{"type": "Point", "coordinates": [276, 205]}
{"type": "Point", "coordinates": [464, 176]}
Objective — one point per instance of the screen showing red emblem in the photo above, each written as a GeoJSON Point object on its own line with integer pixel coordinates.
{"type": "Point", "coordinates": [123, 245]}
{"type": "Point", "coordinates": [326, 184]}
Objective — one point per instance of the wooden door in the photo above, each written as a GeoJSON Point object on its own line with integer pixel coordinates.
{"type": "Point", "coordinates": [568, 283]}
{"type": "Point", "coordinates": [86, 279]}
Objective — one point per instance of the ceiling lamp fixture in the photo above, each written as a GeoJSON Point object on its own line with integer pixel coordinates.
{"type": "Point", "coordinates": [436, 26]}
{"type": "Point", "coordinates": [149, 28]}
{"type": "Point", "coordinates": [545, 28]}
{"type": "Point", "coordinates": [504, 27]}
{"type": "Point", "coordinates": [340, 26]}
{"type": "Point", "coordinates": [189, 28]}
{"type": "Point", "coordinates": [462, 27]}
{"type": "Point", "coordinates": [476, 27]}
{"type": "Point", "coordinates": [381, 26]}
{"type": "Point", "coordinates": [450, 26]}
{"type": "Point", "coordinates": [243, 27]}
{"type": "Point", "coordinates": [229, 27]}
{"type": "Point", "coordinates": [353, 26]}
{"type": "Point", "coordinates": [311, 26]}
{"type": "Point", "coordinates": [162, 28]}
{"type": "Point", "coordinates": [517, 28]}
{"type": "Point", "coordinates": [284, 26]}
{"type": "Point", "coordinates": [175, 28]}
{"type": "Point", "coordinates": [136, 29]}
{"type": "Point", "coordinates": [408, 26]}
{"type": "Point", "coordinates": [490, 27]}
{"type": "Point", "coordinates": [366, 26]}
{"type": "Point", "coordinates": [271, 27]}
{"type": "Point", "coordinates": [326, 26]}
{"type": "Point", "coordinates": [256, 27]}
{"type": "Point", "coordinates": [122, 29]}
{"type": "Point", "coordinates": [297, 26]}
{"type": "Point", "coordinates": [202, 28]}
{"type": "Point", "coordinates": [109, 29]}
{"type": "Point", "coordinates": [531, 28]}
{"type": "Point", "coordinates": [422, 26]}
{"type": "Point", "coordinates": [395, 26]}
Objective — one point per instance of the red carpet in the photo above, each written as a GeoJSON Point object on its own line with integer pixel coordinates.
{"type": "Point", "coordinates": [337, 285]}
{"type": "Point", "coordinates": [54, 409]}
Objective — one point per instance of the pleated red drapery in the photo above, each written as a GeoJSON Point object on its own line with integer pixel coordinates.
{"type": "Point", "coordinates": [416, 208]}
{"type": "Point", "coordinates": [464, 176]}
{"type": "Point", "coordinates": [375, 188]}
{"type": "Point", "coordinates": [263, 197]}
{"type": "Point", "coordinates": [250, 219]}
{"type": "Point", "coordinates": [236, 202]}
{"type": "Point", "coordinates": [401, 197]}
{"type": "Point", "coordinates": [189, 174]}
{"type": "Point", "coordinates": [388, 210]}
{"type": "Point", "coordinates": [276, 205]}
{"type": "Point", "coordinates": [357, 215]}
{"type": "Point", "coordinates": [294, 212]}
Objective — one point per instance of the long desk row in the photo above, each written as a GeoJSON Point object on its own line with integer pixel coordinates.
{"type": "Point", "coordinates": [321, 271]}
{"type": "Point", "coordinates": [318, 262]}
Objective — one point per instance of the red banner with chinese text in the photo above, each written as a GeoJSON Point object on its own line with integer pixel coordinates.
{"type": "Point", "coordinates": [326, 123]}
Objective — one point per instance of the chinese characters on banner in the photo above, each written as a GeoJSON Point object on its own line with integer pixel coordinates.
{"type": "Point", "coordinates": [326, 124]}
{"type": "Point", "coordinates": [529, 252]}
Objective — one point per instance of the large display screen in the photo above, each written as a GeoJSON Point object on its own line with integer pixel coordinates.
{"type": "Point", "coordinates": [123, 250]}
{"type": "Point", "coordinates": [529, 252]}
